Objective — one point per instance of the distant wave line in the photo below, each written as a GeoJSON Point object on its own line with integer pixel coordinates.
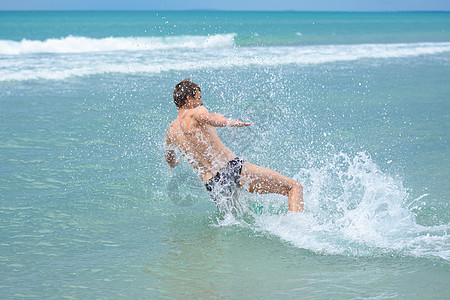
{"type": "Point", "coordinates": [62, 66]}
{"type": "Point", "coordinates": [80, 44]}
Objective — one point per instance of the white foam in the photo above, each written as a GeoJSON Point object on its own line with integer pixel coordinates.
{"type": "Point", "coordinates": [351, 208]}
{"type": "Point", "coordinates": [73, 44]}
{"type": "Point", "coordinates": [78, 56]}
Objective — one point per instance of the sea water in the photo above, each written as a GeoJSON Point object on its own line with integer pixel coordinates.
{"type": "Point", "coordinates": [354, 106]}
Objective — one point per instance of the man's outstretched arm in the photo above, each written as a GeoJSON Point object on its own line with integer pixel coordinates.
{"type": "Point", "coordinates": [217, 120]}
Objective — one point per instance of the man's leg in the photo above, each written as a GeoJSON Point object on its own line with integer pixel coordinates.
{"type": "Point", "coordinates": [266, 181]}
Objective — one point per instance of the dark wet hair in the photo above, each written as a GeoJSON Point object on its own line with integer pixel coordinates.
{"type": "Point", "coordinates": [184, 89]}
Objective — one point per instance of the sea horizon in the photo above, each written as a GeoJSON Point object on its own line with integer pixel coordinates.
{"type": "Point", "coordinates": [221, 10]}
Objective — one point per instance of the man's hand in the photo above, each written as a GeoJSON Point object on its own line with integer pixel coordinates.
{"type": "Point", "coordinates": [171, 158]}
{"type": "Point", "coordinates": [174, 164]}
{"type": "Point", "coordinates": [236, 123]}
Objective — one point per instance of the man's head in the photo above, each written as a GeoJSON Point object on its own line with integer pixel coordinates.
{"type": "Point", "coordinates": [183, 90]}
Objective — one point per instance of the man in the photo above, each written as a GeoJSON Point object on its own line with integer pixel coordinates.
{"type": "Point", "coordinates": [194, 135]}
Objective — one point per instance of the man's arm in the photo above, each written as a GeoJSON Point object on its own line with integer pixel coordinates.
{"type": "Point", "coordinates": [217, 120]}
{"type": "Point", "coordinates": [170, 156]}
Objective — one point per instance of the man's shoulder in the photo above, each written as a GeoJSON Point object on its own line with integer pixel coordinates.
{"type": "Point", "coordinates": [193, 115]}
{"type": "Point", "coordinates": [198, 113]}
{"type": "Point", "coordinates": [198, 110]}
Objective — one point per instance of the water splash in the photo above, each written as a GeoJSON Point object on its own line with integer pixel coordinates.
{"type": "Point", "coordinates": [351, 208]}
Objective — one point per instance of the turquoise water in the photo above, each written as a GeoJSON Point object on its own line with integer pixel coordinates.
{"type": "Point", "coordinates": [354, 106]}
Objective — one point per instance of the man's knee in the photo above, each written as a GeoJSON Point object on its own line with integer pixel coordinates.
{"type": "Point", "coordinates": [294, 186]}
{"type": "Point", "coordinates": [297, 186]}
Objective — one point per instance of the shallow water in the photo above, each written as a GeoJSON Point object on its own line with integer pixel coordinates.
{"type": "Point", "coordinates": [90, 209]}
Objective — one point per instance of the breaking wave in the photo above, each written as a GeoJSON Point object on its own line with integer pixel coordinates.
{"type": "Point", "coordinates": [59, 59]}
{"type": "Point", "coordinates": [73, 44]}
{"type": "Point", "coordinates": [351, 208]}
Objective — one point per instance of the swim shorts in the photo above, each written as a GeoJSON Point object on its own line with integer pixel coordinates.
{"type": "Point", "coordinates": [226, 182]}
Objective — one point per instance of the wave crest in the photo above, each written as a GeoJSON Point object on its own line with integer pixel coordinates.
{"type": "Point", "coordinates": [74, 44]}
{"type": "Point", "coordinates": [79, 56]}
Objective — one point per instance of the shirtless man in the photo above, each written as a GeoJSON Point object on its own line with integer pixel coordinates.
{"type": "Point", "coordinates": [194, 135]}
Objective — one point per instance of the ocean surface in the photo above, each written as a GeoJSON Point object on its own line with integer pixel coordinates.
{"type": "Point", "coordinates": [355, 106]}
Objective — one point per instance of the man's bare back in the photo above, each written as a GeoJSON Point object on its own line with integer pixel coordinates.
{"type": "Point", "coordinates": [198, 142]}
{"type": "Point", "coordinates": [194, 135]}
